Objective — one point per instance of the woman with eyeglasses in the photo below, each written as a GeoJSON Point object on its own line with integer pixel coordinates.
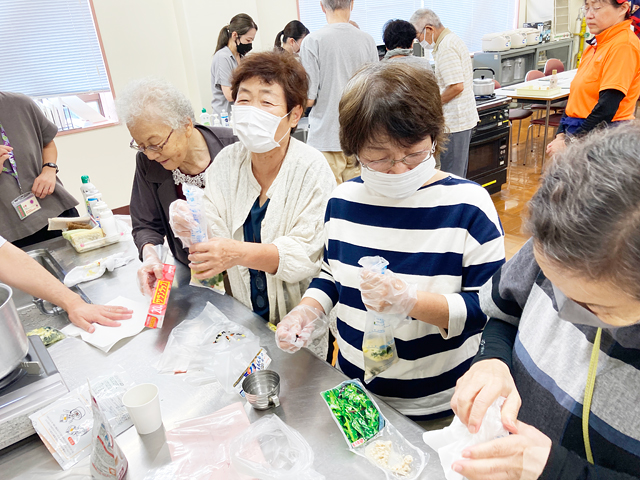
{"type": "Point", "coordinates": [607, 84]}
{"type": "Point", "coordinates": [234, 42]}
{"type": "Point", "coordinates": [440, 234]}
{"type": "Point", "coordinates": [291, 37]}
{"type": "Point", "coordinates": [172, 151]}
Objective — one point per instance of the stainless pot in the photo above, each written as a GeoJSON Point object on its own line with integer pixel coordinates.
{"type": "Point", "coordinates": [13, 341]}
{"type": "Point", "coordinates": [483, 86]}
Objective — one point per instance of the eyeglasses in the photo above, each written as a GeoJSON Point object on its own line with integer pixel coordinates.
{"type": "Point", "coordinates": [594, 10]}
{"type": "Point", "coordinates": [151, 148]}
{"type": "Point", "coordinates": [411, 160]}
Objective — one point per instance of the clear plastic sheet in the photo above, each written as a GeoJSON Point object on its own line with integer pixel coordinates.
{"type": "Point", "coordinates": [200, 447]}
{"type": "Point", "coordinates": [271, 450]}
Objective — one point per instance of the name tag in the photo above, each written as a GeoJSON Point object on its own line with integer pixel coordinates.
{"type": "Point", "coordinates": [25, 205]}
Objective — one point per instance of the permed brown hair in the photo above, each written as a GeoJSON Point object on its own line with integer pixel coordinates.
{"type": "Point", "coordinates": [274, 67]}
{"type": "Point", "coordinates": [394, 99]}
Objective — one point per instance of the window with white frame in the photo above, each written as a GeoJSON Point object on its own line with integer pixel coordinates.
{"type": "Point", "coordinates": [469, 19]}
{"type": "Point", "coordinates": [50, 51]}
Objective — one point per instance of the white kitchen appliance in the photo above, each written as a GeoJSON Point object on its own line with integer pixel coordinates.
{"type": "Point", "coordinates": [495, 42]}
{"type": "Point", "coordinates": [518, 38]}
{"type": "Point", "coordinates": [533, 35]}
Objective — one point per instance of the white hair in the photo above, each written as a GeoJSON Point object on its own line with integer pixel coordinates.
{"type": "Point", "coordinates": [154, 98]}
{"type": "Point", "coordinates": [336, 4]}
{"type": "Point", "coordinates": [424, 16]}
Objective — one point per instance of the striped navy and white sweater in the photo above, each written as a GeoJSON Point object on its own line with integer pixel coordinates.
{"type": "Point", "coordinates": [549, 360]}
{"type": "Point", "coordinates": [447, 239]}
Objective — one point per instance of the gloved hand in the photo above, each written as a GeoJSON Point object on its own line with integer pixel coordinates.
{"type": "Point", "coordinates": [387, 293]}
{"type": "Point", "coordinates": [181, 221]}
{"type": "Point", "coordinates": [299, 327]}
{"type": "Point", "coordinates": [151, 269]}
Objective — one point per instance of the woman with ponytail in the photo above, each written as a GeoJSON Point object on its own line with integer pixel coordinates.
{"type": "Point", "coordinates": [291, 37]}
{"type": "Point", "coordinates": [234, 42]}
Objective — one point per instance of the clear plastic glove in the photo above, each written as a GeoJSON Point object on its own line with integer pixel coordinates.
{"type": "Point", "coordinates": [387, 293]}
{"type": "Point", "coordinates": [181, 221]}
{"type": "Point", "coordinates": [299, 327]}
{"type": "Point", "coordinates": [150, 270]}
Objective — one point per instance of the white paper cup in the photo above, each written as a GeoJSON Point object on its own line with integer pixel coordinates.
{"type": "Point", "coordinates": [143, 404]}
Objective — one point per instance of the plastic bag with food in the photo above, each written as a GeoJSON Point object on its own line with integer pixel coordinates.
{"type": "Point", "coordinates": [378, 343]}
{"type": "Point", "coordinates": [370, 435]}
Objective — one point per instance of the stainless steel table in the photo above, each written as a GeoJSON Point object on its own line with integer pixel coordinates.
{"type": "Point", "coordinates": [303, 377]}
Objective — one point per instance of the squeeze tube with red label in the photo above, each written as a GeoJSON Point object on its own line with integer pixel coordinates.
{"type": "Point", "coordinates": [158, 307]}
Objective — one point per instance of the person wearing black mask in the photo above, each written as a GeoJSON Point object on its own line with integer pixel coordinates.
{"type": "Point", "coordinates": [234, 42]}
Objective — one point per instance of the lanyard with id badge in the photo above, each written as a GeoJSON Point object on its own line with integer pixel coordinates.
{"type": "Point", "coordinates": [26, 203]}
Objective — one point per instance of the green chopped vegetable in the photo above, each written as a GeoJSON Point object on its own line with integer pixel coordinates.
{"type": "Point", "coordinates": [48, 335]}
{"type": "Point", "coordinates": [354, 411]}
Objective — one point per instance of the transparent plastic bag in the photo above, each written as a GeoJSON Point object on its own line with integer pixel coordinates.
{"type": "Point", "coordinates": [199, 447]}
{"type": "Point", "coordinates": [378, 343]}
{"type": "Point", "coordinates": [270, 449]}
{"type": "Point", "coordinates": [195, 200]}
{"type": "Point", "coordinates": [370, 435]}
{"type": "Point", "coordinates": [211, 347]}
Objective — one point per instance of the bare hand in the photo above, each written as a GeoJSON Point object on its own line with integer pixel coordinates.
{"type": "Point", "coordinates": [45, 183]}
{"type": "Point", "coordinates": [557, 145]}
{"type": "Point", "coordinates": [84, 314]}
{"type": "Point", "coordinates": [4, 152]}
{"type": "Point", "coordinates": [477, 389]}
{"type": "Point", "coordinates": [214, 256]}
{"type": "Point", "coordinates": [522, 456]}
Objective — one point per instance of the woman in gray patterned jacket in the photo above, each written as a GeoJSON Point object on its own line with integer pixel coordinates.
{"type": "Point", "coordinates": [563, 340]}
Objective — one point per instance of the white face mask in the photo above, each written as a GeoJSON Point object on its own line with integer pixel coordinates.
{"type": "Point", "coordinates": [426, 45]}
{"type": "Point", "coordinates": [401, 185]}
{"type": "Point", "coordinates": [256, 128]}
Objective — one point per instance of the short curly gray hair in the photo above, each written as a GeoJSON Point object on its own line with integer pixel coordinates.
{"type": "Point", "coordinates": [336, 4]}
{"type": "Point", "coordinates": [424, 16]}
{"type": "Point", "coordinates": [153, 98]}
{"type": "Point", "coordinates": [585, 217]}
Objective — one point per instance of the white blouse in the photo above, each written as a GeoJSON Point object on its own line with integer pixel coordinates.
{"type": "Point", "coordinates": [293, 222]}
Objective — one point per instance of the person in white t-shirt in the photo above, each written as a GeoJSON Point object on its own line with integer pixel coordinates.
{"type": "Point", "coordinates": [19, 270]}
{"type": "Point", "coordinates": [454, 73]}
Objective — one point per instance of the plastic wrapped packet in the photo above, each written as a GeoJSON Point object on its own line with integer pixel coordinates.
{"type": "Point", "coordinates": [160, 299]}
{"type": "Point", "coordinates": [107, 460]}
{"type": "Point", "coordinates": [65, 426]}
{"type": "Point", "coordinates": [199, 447]}
{"type": "Point", "coordinates": [368, 433]}
{"type": "Point", "coordinates": [271, 450]}
{"type": "Point", "coordinates": [195, 196]}
{"type": "Point", "coordinates": [378, 343]}
{"type": "Point", "coordinates": [48, 335]}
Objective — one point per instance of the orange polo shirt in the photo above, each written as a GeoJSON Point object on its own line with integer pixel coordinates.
{"type": "Point", "coordinates": [614, 62]}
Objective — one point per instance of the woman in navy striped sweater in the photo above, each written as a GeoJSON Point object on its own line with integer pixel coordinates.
{"type": "Point", "coordinates": [440, 233]}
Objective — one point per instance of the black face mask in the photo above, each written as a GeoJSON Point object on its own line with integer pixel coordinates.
{"type": "Point", "coordinates": [243, 48]}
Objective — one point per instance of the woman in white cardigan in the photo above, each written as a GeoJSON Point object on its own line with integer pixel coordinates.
{"type": "Point", "coordinates": [265, 196]}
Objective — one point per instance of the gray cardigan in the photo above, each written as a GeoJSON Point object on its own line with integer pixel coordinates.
{"type": "Point", "coordinates": [154, 190]}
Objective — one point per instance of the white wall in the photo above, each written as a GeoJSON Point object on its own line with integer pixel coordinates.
{"type": "Point", "coordinates": [174, 39]}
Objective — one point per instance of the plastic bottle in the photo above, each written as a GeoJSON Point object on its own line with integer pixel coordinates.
{"type": "Point", "coordinates": [224, 118]}
{"type": "Point", "coordinates": [88, 190]}
{"type": "Point", "coordinates": [216, 120]}
{"type": "Point", "coordinates": [553, 83]}
{"type": "Point", "coordinates": [107, 221]}
{"type": "Point", "coordinates": [205, 118]}
{"type": "Point", "coordinates": [92, 201]}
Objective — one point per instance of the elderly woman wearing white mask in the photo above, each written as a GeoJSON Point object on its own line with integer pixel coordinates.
{"type": "Point", "coordinates": [440, 234]}
{"type": "Point", "coordinates": [266, 196]}
{"type": "Point", "coordinates": [563, 340]}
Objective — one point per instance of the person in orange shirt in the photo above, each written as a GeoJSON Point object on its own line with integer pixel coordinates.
{"type": "Point", "coordinates": [607, 84]}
